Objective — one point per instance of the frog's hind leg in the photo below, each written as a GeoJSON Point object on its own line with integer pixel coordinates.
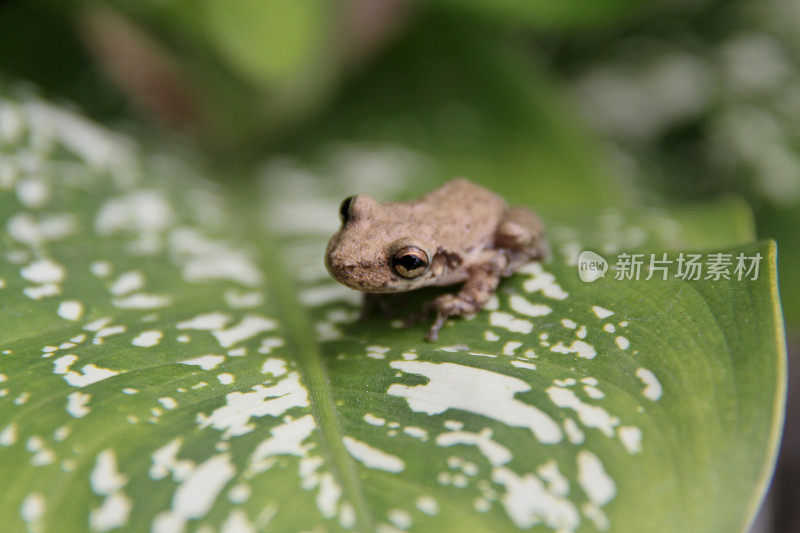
{"type": "Point", "coordinates": [473, 295]}
{"type": "Point", "coordinates": [521, 236]}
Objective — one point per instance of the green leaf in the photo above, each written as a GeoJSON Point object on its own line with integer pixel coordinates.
{"type": "Point", "coordinates": [168, 363]}
{"type": "Point", "coordinates": [779, 224]}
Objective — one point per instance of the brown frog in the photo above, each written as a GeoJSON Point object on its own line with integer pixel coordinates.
{"type": "Point", "coordinates": [458, 233]}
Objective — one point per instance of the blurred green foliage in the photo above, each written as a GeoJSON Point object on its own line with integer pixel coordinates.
{"type": "Point", "coordinates": [547, 14]}
{"type": "Point", "coordinates": [597, 103]}
{"type": "Point", "coordinates": [480, 109]}
{"type": "Point", "coordinates": [39, 44]}
{"type": "Point", "coordinates": [711, 96]}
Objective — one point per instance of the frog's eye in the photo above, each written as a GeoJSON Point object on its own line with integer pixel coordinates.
{"type": "Point", "coordinates": [410, 261]}
{"type": "Point", "coordinates": [344, 209]}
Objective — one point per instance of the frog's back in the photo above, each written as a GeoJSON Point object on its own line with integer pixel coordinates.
{"type": "Point", "coordinates": [466, 215]}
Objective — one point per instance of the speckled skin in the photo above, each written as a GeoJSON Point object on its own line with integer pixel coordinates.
{"type": "Point", "coordinates": [469, 234]}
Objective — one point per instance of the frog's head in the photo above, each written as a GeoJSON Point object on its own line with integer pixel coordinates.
{"type": "Point", "coordinates": [373, 250]}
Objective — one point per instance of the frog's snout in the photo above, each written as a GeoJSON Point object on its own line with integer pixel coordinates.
{"type": "Point", "coordinates": [337, 266]}
{"type": "Point", "coordinates": [358, 276]}
{"type": "Point", "coordinates": [332, 264]}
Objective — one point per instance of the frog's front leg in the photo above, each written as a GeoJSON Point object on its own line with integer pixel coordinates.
{"type": "Point", "coordinates": [474, 294]}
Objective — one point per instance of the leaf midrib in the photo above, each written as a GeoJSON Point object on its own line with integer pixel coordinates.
{"type": "Point", "coordinates": [312, 371]}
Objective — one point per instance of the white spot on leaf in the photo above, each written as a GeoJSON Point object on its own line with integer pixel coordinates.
{"type": "Point", "coordinates": [497, 454]}
{"type": "Point", "coordinates": [510, 322]}
{"type": "Point", "coordinates": [127, 283]}
{"type": "Point", "coordinates": [88, 375]}
{"type": "Point", "coordinates": [622, 342]}
{"type": "Point", "coordinates": [206, 362]}
{"type": "Point", "coordinates": [44, 271]}
{"type": "Point", "coordinates": [601, 312]}
{"type": "Point", "coordinates": [541, 281]}
{"type": "Point", "coordinates": [597, 485]}
{"type": "Point", "coordinates": [142, 300]}
{"type": "Point", "coordinates": [652, 390]}
{"type": "Point", "coordinates": [286, 439]}
{"type": "Point", "coordinates": [631, 438]}
{"type": "Point", "coordinates": [77, 403]}
{"type": "Point", "coordinates": [373, 457]}
{"type": "Point", "coordinates": [8, 436]}
{"type": "Point", "coordinates": [274, 367]}
{"type": "Point", "coordinates": [374, 420]}
{"type": "Point", "coordinates": [453, 386]}
{"type": "Point", "coordinates": [70, 310]}
{"type": "Point", "coordinates": [197, 493]}
{"type": "Point", "coordinates": [112, 514]}
{"type": "Point", "coordinates": [427, 505]}
{"type": "Point", "coordinates": [234, 417]}
{"type": "Point", "coordinates": [165, 462]}
{"type": "Point", "coordinates": [510, 347]}
{"type": "Point", "coordinates": [528, 502]}
{"type": "Point", "coordinates": [250, 326]}
{"type": "Point", "coordinates": [32, 511]}
{"type": "Point", "coordinates": [147, 339]}
{"type": "Point", "coordinates": [579, 348]}
{"type": "Point", "coordinates": [522, 305]}
{"type": "Point", "coordinates": [592, 416]}
{"type": "Point", "coordinates": [105, 479]}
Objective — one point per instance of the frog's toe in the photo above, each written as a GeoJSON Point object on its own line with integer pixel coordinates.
{"type": "Point", "coordinates": [452, 305]}
{"type": "Point", "coordinates": [433, 332]}
{"type": "Point", "coordinates": [446, 306]}
{"type": "Point", "coordinates": [436, 327]}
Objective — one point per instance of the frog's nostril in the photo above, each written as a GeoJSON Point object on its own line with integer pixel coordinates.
{"type": "Point", "coordinates": [332, 262]}
{"type": "Point", "coordinates": [335, 262]}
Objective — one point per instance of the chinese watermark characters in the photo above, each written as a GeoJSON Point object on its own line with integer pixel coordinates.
{"type": "Point", "coordinates": [686, 266]}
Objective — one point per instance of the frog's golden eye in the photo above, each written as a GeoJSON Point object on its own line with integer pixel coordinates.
{"type": "Point", "coordinates": [410, 261]}
{"type": "Point", "coordinates": [344, 209]}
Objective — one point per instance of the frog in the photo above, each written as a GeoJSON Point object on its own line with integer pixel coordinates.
{"type": "Point", "coordinates": [459, 233]}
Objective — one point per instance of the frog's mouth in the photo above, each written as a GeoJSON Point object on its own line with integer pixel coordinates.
{"type": "Point", "coordinates": [364, 279]}
{"type": "Point", "coordinates": [367, 277]}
